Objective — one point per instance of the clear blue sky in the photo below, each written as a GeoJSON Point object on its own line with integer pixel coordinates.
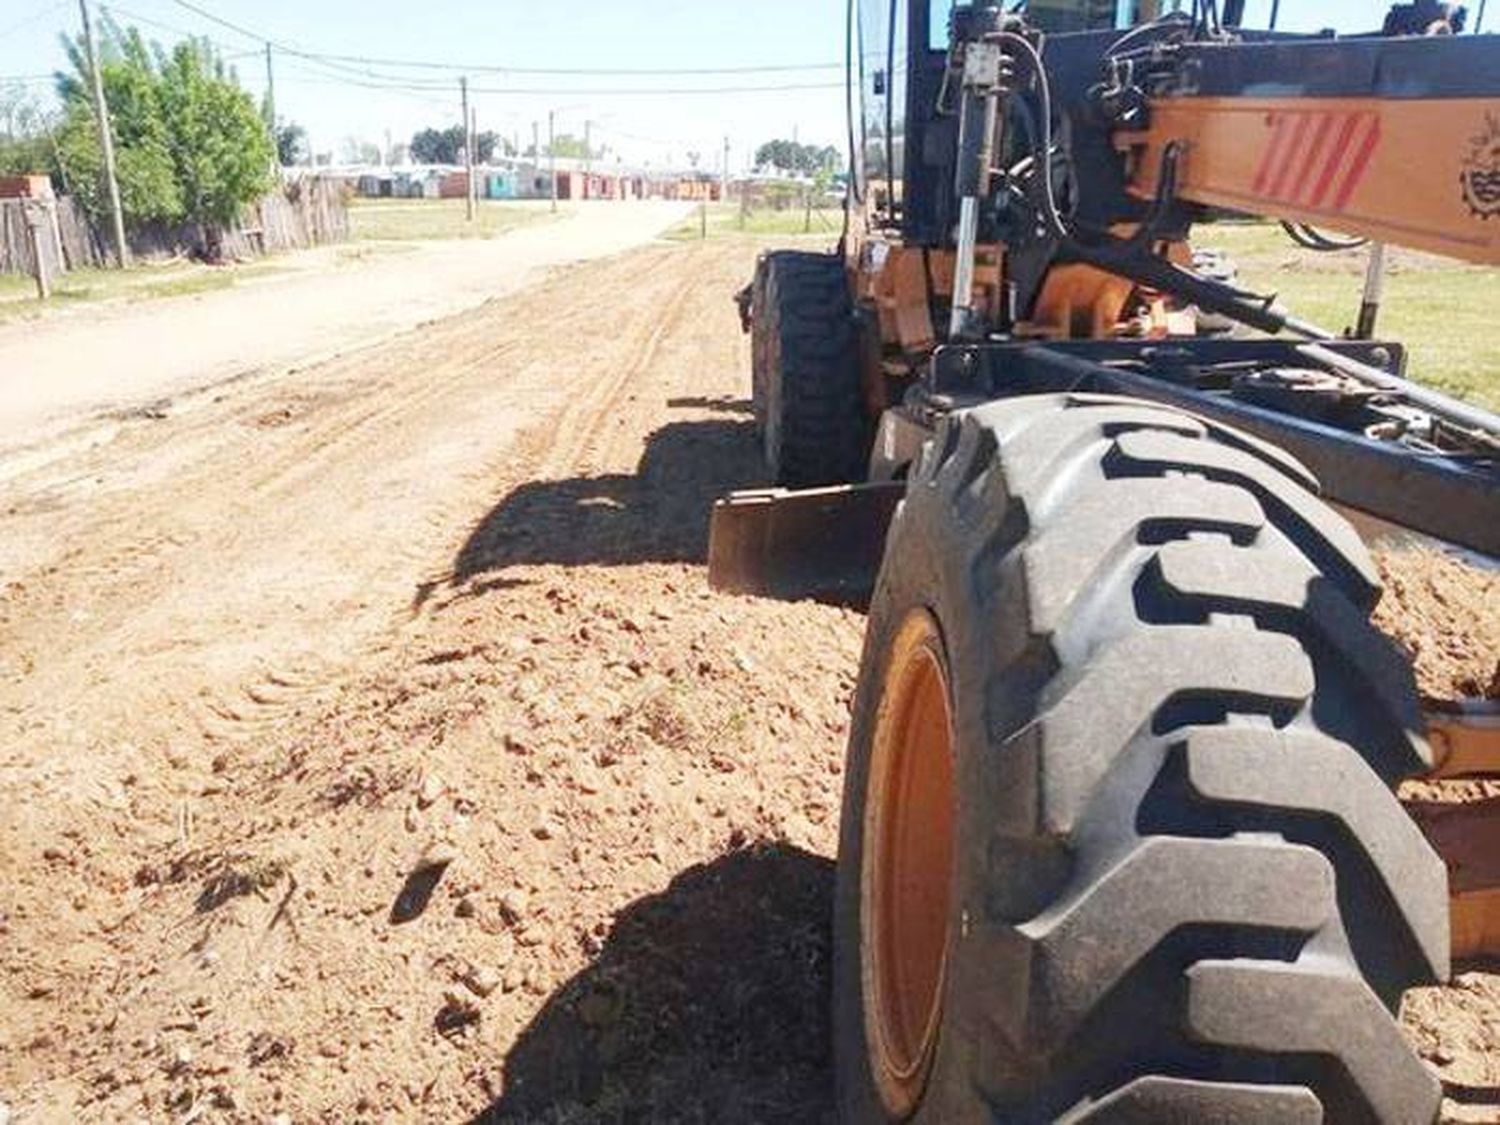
{"type": "Point", "coordinates": [576, 34]}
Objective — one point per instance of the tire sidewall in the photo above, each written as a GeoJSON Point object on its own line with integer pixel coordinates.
{"type": "Point", "coordinates": [916, 577]}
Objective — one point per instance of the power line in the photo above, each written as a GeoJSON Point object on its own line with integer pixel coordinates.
{"type": "Point", "coordinates": [35, 17]}
{"type": "Point", "coordinates": [495, 68]}
{"type": "Point", "coordinates": [135, 17]}
{"type": "Point", "coordinates": [613, 72]}
{"type": "Point", "coordinates": [583, 91]}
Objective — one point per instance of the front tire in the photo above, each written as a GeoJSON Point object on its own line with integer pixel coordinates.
{"type": "Point", "coordinates": [1179, 885]}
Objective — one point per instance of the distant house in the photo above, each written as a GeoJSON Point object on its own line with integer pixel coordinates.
{"type": "Point", "coordinates": [528, 178]}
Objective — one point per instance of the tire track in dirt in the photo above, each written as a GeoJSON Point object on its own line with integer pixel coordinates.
{"type": "Point", "coordinates": [355, 423]}
{"type": "Point", "coordinates": [634, 780]}
{"type": "Point", "coordinates": [583, 419]}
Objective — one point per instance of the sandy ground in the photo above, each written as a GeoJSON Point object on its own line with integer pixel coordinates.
{"type": "Point", "coordinates": [115, 358]}
{"type": "Point", "coordinates": [373, 749]}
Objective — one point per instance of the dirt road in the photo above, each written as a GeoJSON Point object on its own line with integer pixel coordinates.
{"type": "Point", "coordinates": [104, 360]}
{"type": "Point", "coordinates": [373, 749]}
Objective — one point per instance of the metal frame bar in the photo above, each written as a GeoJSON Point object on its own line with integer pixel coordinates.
{"type": "Point", "coordinates": [1446, 497]}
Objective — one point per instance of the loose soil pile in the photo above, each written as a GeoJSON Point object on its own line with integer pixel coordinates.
{"type": "Point", "coordinates": [1445, 614]}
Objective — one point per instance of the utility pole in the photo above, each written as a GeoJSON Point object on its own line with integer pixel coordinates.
{"type": "Point", "coordinates": [271, 112]}
{"type": "Point", "coordinates": [536, 144]}
{"type": "Point", "coordinates": [473, 154]}
{"type": "Point", "coordinates": [270, 91]}
{"type": "Point", "coordinates": [463, 89]}
{"type": "Point", "coordinates": [588, 155]}
{"type": "Point", "coordinates": [724, 175]}
{"type": "Point", "coordinates": [106, 140]}
{"type": "Point", "coordinates": [552, 153]}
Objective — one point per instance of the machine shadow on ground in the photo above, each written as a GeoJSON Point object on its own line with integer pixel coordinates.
{"type": "Point", "coordinates": [659, 513]}
{"type": "Point", "coordinates": [709, 1001]}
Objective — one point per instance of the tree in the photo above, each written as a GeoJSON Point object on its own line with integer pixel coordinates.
{"type": "Point", "coordinates": [222, 152]}
{"type": "Point", "coordinates": [149, 191]}
{"type": "Point", "coordinates": [569, 147]}
{"type": "Point", "coordinates": [190, 144]}
{"type": "Point", "coordinates": [24, 133]}
{"type": "Point", "coordinates": [291, 144]}
{"type": "Point", "coordinates": [446, 146]}
{"type": "Point", "coordinates": [791, 157]}
{"type": "Point", "coordinates": [485, 144]}
{"type": "Point", "coordinates": [439, 146]}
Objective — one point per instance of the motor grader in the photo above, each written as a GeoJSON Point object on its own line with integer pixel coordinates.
{"type": "Point", "coordinates": [1120, 838]}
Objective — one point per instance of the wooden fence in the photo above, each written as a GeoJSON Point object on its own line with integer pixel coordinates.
{"type": "Point", "coordinates": [307, 212]}
{"type": "Point", "coordinates": [65, 237]}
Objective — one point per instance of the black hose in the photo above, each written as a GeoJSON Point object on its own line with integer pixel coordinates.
{"type": "Point", "coordinates": [1306, 235]}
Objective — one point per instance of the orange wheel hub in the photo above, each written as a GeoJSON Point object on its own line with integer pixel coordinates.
{"type": "Point", "coordinates": [907, 875]}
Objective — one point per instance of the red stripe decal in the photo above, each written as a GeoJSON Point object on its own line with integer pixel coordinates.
{"type": "Point", "coordinates": [1289, 158]}
{"type": "Point", "coordinates": [1361, 162]}
{"type": "Point", "coordinates": [1278, 123]}
{"type": "Point", "coordinates": [1331, 167]}
{"type": "Point", "coordinates": [1314, 150]}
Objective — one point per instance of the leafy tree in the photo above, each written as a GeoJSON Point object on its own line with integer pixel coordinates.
{"type": "Point", "coordinates": [569, 147]}
{"type": "Point", "coordinates": [190, 144]}
{"type": "Point", "coordinates": [790, 156]}
{"type": "Point", "coordinates": [222, 152]}
{"type": "Point", "coordinates": [446, 146]}
{"type": "Point", "coordinates": [439, 146]}
{"type": "Point", "coordinates": [291, 144]}
{"type": "Point", "coordinates": [24, 133]}
{"type": "Point", "coordinates": [144, 168]}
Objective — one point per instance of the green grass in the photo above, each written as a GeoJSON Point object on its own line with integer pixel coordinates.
{"type": "Point", "coordinates": [140, 283]}
{"type": "Point", "coordinates": [725, 221]}
{"type": "Point", "coordinates": [409, 220]}
{"type": "Point", "coordinates": [1444, 311]}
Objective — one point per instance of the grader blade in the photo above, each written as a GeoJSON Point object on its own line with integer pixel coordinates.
{"type": "Point", "coordinates": [820, 543]}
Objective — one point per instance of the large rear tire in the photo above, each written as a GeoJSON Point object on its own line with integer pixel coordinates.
{"type": "Point", "coordinates": [809, 408]}
{"type": "Point", "coordinates": [1119, 839]}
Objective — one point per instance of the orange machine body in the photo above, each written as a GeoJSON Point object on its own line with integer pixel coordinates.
{"type": "Point", "coordinates": [1416, 172]}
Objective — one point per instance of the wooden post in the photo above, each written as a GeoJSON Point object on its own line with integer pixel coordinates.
{"type": "Point", "coordinates": [57, 241]}
{"type": "Point", "coordinates": [35, 213]}
{"type": "Point", "coordinates": [807, 212]}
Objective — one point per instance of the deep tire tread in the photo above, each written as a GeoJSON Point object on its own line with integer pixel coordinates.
{"type": "Point", "coordinates": [806, 371]}
{"type": "Point", "coordinates": [1195, 736]}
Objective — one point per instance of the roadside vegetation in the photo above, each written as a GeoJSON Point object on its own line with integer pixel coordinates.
{"type": "Point", "coordinates": [144, 281]}
{"type": "Point", "coordinates": [191, 145]}
{"type": "Point", "coordinates": [408, 220]}
{"type": "Point", "coordinates": [178, 277]}
{"type": "Point", "coordinates": [822, 222]}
